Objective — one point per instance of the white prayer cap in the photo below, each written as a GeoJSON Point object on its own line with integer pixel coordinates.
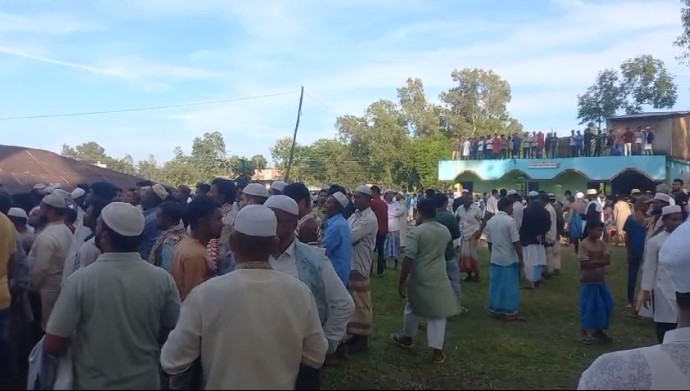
{"type": "Point", "coordinates": [663, 188]}
{"type": "Point", "coordinates": [18, 213]}
{"type": "Point", "coordinates": [389, 191]}
{"type": "Point", "coordinates": [663, 197]}
{"type": "Point", "coordinates": [78, 192]}
{"type": "Point", "coordinates": [256, 190]}
{"type": "Point", "coordinates": [363, 189]}
{"type": "Point", "coordinates": [123, 218]}
{"type": "Point", "coordinates": [48, 189]}
{"type": "Point", "coordinates": [511, 192]}
{"type": "Point", "coordinates": [34, 211]}
{"type": "Point", "coordinates": [667, 210]}
{"type": "Point", "coordinates": [160, 191]}
{"type": "Point", "coordinates": [278, 185]}
{"type": "Point", "coordinates": [635, 191]}
{"type": "Point", "coordinates": [61, 193]}
{"type": "Point", "coordinates": [55, 200]}
{"type": "Point", "coordinates": [39, 186]}
{"type": "Point", "coordinates": [579, 195]}
{"type": "Point", "coordinates": [465, 191]}
{"type": "Point", "coordinates": [341, 198]}
{"type": "Point", "coordinates": [673, 256]}
{"type": "Point", "coordinates": [551, 196]}
{"type": "Point", "coordinates": [283, 203]}
{"type": "Point", "coordinates": [257, 220]}
{"type": "Point", "coordinates": [592, 192]}
{"type": "Point", "coordinates": [533, 194]}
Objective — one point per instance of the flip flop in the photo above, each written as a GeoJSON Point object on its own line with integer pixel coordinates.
{"type": "Point", "coordinates": [440, 360]}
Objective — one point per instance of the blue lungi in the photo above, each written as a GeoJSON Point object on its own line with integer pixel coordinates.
{"type": "Point", "coordinates": [504, 289]}
{"type": "Point", "coordinates": [596, 306]}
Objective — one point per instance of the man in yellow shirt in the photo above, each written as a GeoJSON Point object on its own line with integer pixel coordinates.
{"type": "Point", "coordinates": [8, 247]}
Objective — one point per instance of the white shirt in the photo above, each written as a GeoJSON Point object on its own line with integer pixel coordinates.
{"type": "Point", "coordinates": [492, 205]}
{"type": "Point", "coordinates": [502, 232]}
{"type": "Point", "coordinates": [87, 254]}
{"type": "Point", "coordinates": [553, 231]}
{"type": "Point", "coordinates": [658, 367]}
{"type": "Point", "coordinates": [466, 148]}
{"type": "Point", "coordinates": [469, 219]}
{"type": "Point", "coordinates": [656, 279]}
{"type": "Point", "coordinates": [252, 329]}
{"type": "Point", "coordinates": [394, 213]}
{"type": "Point", "coordinates": [340, 304]}
{"type": "Point", "coordinates": [518, 210]}
{"type": "Point", "coordinates": [80, 235]}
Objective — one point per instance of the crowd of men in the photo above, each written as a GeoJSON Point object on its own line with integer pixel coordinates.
{"type": "Point", "coordinates": [535, 145]}
{"type": "Point", "coordinates": [236, 285]}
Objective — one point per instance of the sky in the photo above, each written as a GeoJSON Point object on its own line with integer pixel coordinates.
{"type": "Point", "coordinates": [60, 56]}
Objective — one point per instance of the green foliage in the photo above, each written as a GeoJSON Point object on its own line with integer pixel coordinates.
{"type": "Point", "coordinates": [642, 81]}
{"type": "Point", "coordinates": [683, 40]}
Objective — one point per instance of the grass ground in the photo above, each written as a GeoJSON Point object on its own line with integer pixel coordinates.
{"type": "Point", "coordinates": [484, 353]}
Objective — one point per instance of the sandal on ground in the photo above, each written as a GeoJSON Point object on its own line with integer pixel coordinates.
{"type": "Point", "coordinates": [440, 360]}
{"type": "Point", "coordinates": [401, 341]}
{"type": "Point", "coordinates": [516, 318]}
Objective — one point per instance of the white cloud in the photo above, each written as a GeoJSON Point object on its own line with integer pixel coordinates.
{"type": "Point", "coordinates": [44, 24]}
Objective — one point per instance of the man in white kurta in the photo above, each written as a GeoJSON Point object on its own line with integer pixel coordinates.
{"type": "Point", "coordinates": [48, 253]}
{"type": "Point", "coordinates": [658, 367]}
{"type": "Point", "coordinates": [364, 226]}
{"type": "Point", "coordinates": [553, 260]}
{"type": "Point", "coordinates": [335, 296]}
{"type": "Point", "coordinates": [252, 327]}
{"type": "Point", "coordinates": [517, 207]}
{"type": "Point", "coordinates": [656, 287]}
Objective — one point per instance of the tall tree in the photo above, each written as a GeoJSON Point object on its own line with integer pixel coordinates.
{"type": "Point", "coordinates": [148, 168]}
{"type": "Point", "coordinates": [477, 104]}
{"type": "Point", "coordinates": [260, 162]}
{"type": "Point", "coordinates": [91, 152]}
{"type": "Point", "coordinates": [209, 156]}
{"type": "Point", "coordinates": [241, 166]}
{"type": "Point", "coordinates": [683, 40]}
{"type": "Point", "coordinates": [422, 118]}
{"type": "Point", "coordinates": [602, 99]}
{"type": "Point", "coordinates": [280, 153]}
{"type": "Point", "coordinates": [647, 82]}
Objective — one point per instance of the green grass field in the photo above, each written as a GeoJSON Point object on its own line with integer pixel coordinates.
{"type": "Point", "coordinates": [484, 353]}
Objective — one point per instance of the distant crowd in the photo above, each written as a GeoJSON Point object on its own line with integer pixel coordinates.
{"type": "Point", "coordinates": [537, 145]}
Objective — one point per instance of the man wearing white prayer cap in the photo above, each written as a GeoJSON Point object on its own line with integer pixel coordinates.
{"type": "Point", "coordinates": [659, 202]}
{"type": "Point", "coordinates": [271, 318]}
{"type": "Point", "coordinates": [337, 238]}
{"type": "Point", "coordinates": [310, 265]}
{"type": "Point", "coordinates": [277, 187]}
{"type": "Point", "coordinates": [363, 228]}
{"type": "Point", "coordinates": [49, 251]}
{"type": "Point", "coordinates": [594, 211]}
{"type": "Point", "coordinates": [151, 198]}
{"type": "Point", "coordinates": [655, 278]}
{"type": "Point", "coordinates": [253, 194]}
{"type": "Point", "coordinates": [78, 196]}
{"type": "Point", "coordinates": [658, 367]}
{"type": "Point", "coordinates": [145, 298]}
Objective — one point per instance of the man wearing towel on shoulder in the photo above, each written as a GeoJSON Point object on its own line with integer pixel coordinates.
{"type": "Point", "coordinates": [112, 313]}
{"type": "Point", "coordinates": [658, 367]}
{"type": "Point", "coordinates": [363, 226]}
{"type": "Point", "coordinates": [310, 265]}
{"type": "Point", "coordinates": [260, 315]}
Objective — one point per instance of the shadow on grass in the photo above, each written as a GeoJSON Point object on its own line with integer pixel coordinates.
{"type": "Point", "coordinates": [484, 353]}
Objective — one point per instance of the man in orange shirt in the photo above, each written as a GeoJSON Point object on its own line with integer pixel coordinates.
{"type": "Point", "coordinates": [8, 247]}
{"type": "Point", "coordinates": [191, 262]}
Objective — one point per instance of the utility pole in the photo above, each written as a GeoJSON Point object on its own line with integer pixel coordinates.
{"type": "Point", "coordinates": [294, 135]}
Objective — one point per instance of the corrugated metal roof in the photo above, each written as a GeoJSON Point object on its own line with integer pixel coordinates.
{"type": "Point", "coordinates": [21, 168]}
{"type": "Point", "coordinates": [652, 114]}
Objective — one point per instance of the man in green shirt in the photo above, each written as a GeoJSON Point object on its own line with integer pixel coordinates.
{"type": "Point", "coordinates": [445, 217]}
{"type": "Point", "coordinates": [115, 312]}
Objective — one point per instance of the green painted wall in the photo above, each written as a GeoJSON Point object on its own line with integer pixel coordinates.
{"type": "Point", "coordinates": [569, 180]}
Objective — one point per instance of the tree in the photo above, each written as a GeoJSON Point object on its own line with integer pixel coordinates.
{"type": "Point", "coordinates": [260, 162]}
{"type": "Point", "coordinates": [646, 82]}
{"type": "Point", "coordinates": [209, 157]}
{"type": "Point", "coordinates": [602, 99]}
{"type": "Point", "coordinates": [421, 117]}
{"type": "Point", "coordinates": [477, 105]}
{"type": "Point", "coordinates": [683, 40]}
{"type": "Point", "coordinates": [148, 168]}
{"type": "Point", "coordinates": [91, 152]}
{"type": "Point", "coordinates": [241, 166]}
{"type": "Point", "coordinates": [280, 152]}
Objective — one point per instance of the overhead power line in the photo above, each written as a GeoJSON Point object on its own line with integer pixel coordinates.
{"type": "Point", "coordinates": [209, 102]}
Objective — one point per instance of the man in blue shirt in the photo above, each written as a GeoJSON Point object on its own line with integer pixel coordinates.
{"type": "Point", "coordinates": [337, 237]}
